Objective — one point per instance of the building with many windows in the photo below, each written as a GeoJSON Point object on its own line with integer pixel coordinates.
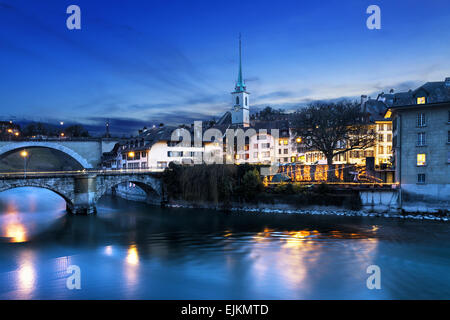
{"type": "Point", "coordinates": [421, 125]}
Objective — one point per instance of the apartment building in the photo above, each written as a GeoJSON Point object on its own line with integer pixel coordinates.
{"type": "Point", "coordinates": [422, 146]}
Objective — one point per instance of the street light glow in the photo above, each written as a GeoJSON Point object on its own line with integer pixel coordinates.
{"type": "Point", "coordinates": [131, 154]}
{"type": "Point", "coordinates": [24, 154]}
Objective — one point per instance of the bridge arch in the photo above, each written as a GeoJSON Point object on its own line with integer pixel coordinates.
{"type": "Point", "coordinates": [68, 197]}
{"type": "Point", "coordinates": [42, 144]}
{"type": "Point", "coordinates": [150, 184]}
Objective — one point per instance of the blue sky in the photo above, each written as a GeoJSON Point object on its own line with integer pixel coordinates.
{"type": "Point", "coordinates": [145, 62]}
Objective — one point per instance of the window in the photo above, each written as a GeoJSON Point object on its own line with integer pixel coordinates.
{"type": "Point", "coordinates": [421, 120]}
{"type": "Point", "coordinates": [237, 100]}
{"type": "Point", "coordinates": [279, 151]}
{"type": "Point", "coordinates": [265, 145]}
{"type": "Point", "coordinates": [286, 151]}
{"type": "Point", "coordinates": [380, 127]}
{"type": "Point", "coordinates": [266, 154]}
{"type": "Point", "coordinates": [380, 150]}
{"type": "Point", "coordinates": [380, 138]}
{"type": "Point", "coordinates": [421, 139]}
{"type": "Point", "coordinates": [389, 127]}
{"type": "Point", "coordinates": [389, 137]}
{"type": "Point", "coordinates": [389, 149]}
{"type": "Point", "coordinates": [421, 100]}
{"type": "Point", "coordinates": [161, 164]}
{"type": "Point", "coordinates": [262, 137]}
{"type": "Point", "coordinates": [421, 159]}
{"type": "Point", "coordinates": [246, 101]}
{"type": "Point", "coordinates": [285, 159]}
{"type": "Point", "coordinates": [421, 178]}
{"type": "Point", "coordinates": [255, 155]}
{"type": "Point", "coordinates": [174, 153]}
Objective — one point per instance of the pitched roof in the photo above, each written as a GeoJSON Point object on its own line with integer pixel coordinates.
{"type": "Point", "coordinates": [435, 92]}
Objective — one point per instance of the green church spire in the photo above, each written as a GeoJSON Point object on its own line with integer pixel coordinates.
{"type": "Point", "coordinates": [240, 84]}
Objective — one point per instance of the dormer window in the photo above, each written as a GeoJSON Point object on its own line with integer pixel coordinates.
{"type": "Point", "coordinates": [421, 100]}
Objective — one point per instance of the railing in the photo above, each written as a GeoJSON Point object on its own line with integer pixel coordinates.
{"type": "Point", "coordinates": [21, 174]}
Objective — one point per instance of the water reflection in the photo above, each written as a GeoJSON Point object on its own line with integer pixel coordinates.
{"type": "Point", "coordinates": [130, 250]}
{"type": "Point", "coordinates": [132, 255]}
{"type": "Point", "coordinates": [22, 214]}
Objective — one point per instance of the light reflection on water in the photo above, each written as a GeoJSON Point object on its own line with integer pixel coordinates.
{"type": "Point", "coordinates": [132, 251]}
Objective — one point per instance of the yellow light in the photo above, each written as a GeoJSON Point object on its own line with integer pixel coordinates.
{"type": "Point", "coordinates": [421, 159]}
{"type": "Point", "coordinates": [16, 232]}
{"type": "Point", "coordinates": [421, 100]}
{"type": "Point", "coordinates": [388, 114]}
{"type": "Point", "coordinates": [298, 140]}
{"type": "Point", "coordinates": [16, 134]}
{"type": "Point", "coordinates": [132, 255]}
{"type": "Point", "coordinates": [62, 134]}
{"type": "Point", "coordinates": [10, 130]}
{"type": "Point", "coordinates": [24, 154]}
{"type": "Point", "coordinates": [131, 154]}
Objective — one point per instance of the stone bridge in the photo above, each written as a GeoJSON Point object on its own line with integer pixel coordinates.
{"type": "Point", "coordinates": [81, 191]}
{"type": "Point", "coordinates": [87, 152]}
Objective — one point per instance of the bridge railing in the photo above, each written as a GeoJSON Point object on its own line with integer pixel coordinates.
{"type": "Point", "coordinates": [22, 174]}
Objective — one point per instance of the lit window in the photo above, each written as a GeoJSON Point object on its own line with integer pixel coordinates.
{"type": "Point", "coordinates": [421, 100]}
{"type": "Point", "coordinates": [421, 159]}
{"type": "Point", "coordinates": [286, 142]}
{"type": "Point", "coordinates": [388, 114]}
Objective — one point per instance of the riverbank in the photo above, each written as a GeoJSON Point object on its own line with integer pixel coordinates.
{"type": "Point", "coordinates": [312, 210]}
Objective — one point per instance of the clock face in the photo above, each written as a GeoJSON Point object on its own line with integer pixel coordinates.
{"type": "Point", "coordinates": [236, 108]}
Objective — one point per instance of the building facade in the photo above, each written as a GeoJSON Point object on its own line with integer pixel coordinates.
{"type": "Point", "coordinates": [422, 146]}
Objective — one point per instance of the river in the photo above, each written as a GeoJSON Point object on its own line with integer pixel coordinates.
{"type": "Point", "coordinates": [131, 250]}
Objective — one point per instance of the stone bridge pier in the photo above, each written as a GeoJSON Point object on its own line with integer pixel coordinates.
{"type": "Point", "coordinates": [82, 191]}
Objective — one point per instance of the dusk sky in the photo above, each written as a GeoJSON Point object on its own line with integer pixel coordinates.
{"type": "Point", "coordinates": [144, 62]}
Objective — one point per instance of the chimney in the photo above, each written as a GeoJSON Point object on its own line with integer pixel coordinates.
{"type": "Point", "coordinates": [447, 82]}
{"type": "Point", "coordinates": [363, 99]}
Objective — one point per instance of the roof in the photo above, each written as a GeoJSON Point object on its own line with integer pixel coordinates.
{"type": "Point", "coordinates": [375, 108]}
{"type": "Point", "coordinates": [434, 92]}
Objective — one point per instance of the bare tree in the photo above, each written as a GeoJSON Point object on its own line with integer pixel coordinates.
{"type": "Point", "coordinates": [334, 128]}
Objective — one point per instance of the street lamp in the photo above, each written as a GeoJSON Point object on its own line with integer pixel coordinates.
{"type": "Point", "coordinates": [24, 155]}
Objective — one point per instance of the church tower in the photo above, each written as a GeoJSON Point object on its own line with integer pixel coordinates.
{"type": "Point", "coordinates": [240, 114]}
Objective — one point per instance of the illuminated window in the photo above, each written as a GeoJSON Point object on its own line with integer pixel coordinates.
{"type": "Point", "coordinates": [421, 159]}
{"type": "Point", "coordinates": [286, 142]}
{"type": "Point", "coordinates": [388, 114]}
{"type": "Point", "coordinates": [421, 100]}
{"type": "Point", "coordinates": [380, 150]}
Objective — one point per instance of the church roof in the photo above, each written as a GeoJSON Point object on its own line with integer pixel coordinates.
{"type": "Point", "coordinates": [240, 84]}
